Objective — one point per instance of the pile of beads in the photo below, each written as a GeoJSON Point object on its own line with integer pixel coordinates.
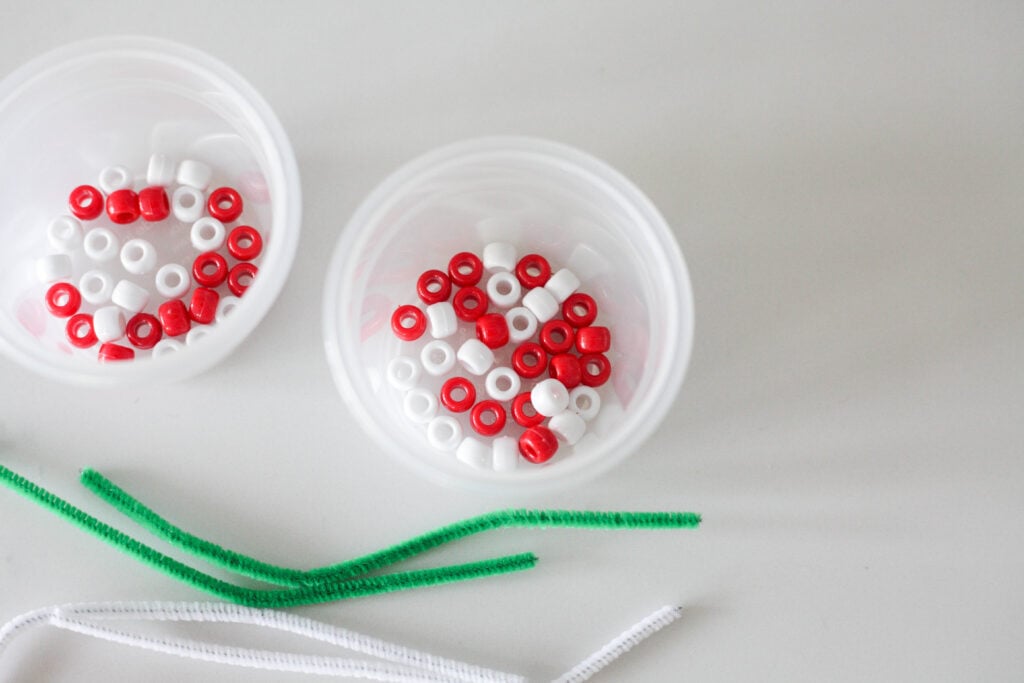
{"type": "Point", "coordinates": [106, 307]}
{"type": "Point", "coordinates": [525, 323]}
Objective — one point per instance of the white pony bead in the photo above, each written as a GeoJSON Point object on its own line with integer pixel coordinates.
{"type": "Point", "coordinates": [160, 170]}
{"type": "Point", "coordinates": [196, 334]}
{"type": "Point", "coordinates": [444, 433]}
{"type": "Point", "coordinates": [188, 204]}
{"type": "Point", "coordinates": [443, 322]}
{"type": "Point", "coordinates": [502, 377]}
{"type": "Point", "coordinates": [505, 451]}
{"type": "Point", "coordinates": [549, 397]}
{"type": "Point", "coordinates": [585, 402]}
{"type": "Point", "coordinates": [562, 284]}
{"type": "Point", "coordinates": [138, 256]}
{"type": "Point", "coordinates": [207, 234]}
{"type": "Point", "coordinates": [475, 356]}
{"type": "Point", "coordinates": [101, 245]}
{"type": "Point", "coordinates": [419, 405]}
{"type": "Point", "coordinates": [172, 281]}
{"type": "Point", "coordinates": [130, 296]}
{"type": "Point", "coordinates": [114, 178]}
{"type": "Point", "coordinates": [499, 256]}
{"type": "Point", "coordinates": [53, 267]}
{"type": "Point", "coordinates": [503, 289]}
{"type": "Point", "coordinates": [166, 347]}
{"type": "Point", "coordinates": [194, 174]}
{"type": "Point", "coordinates": [522, 324]}
{"type": "Point", "coordinates": [541, 303]}
{"type": "Point", "coordinates": [403, 372]}
{"type": "Point", "coordinates": [473, 452]}
{"type": "Point", "coordinates": [64, 233]}
{"type": "Point", "coordinates": [108, 323]}
{"type": "Point", "coordinates": [568, 426]}
{"type": "Point", "coordinates": [225, 307]}
{"type": "Point", "coordinates": [96, 286]}
{"type": "Point", "coordinates": [437, 357]}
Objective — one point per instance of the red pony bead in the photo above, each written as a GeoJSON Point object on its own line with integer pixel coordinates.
{"type": "Point", "coordinates": [408, 322]}
{"type": "Point", "coordinates": [465, 269]}
{"type": "Point", "coordinates": [203, 307]}
{"type": "Point", "coordinates": [210, 269]}
{"type": "Point", "coordinates": [593, 339]}
{"type": "Point", "coordinates": [529, 360]}
{"type": "Point", "coordinates": [470, 303]}
{"type": "Point", "coordinates": [492, 330]}
{"type": "Point", "coordinates": [458, 405]}
{"type": "Point", "coordinates": [80, 332]}
{"type": "Point", "coordinates": [596, 369]}
{"type": "Point", "coordinates": [519, 413]}
{"type": "Point", "coordinates": [138, 323]}
{"type": "Point", "coordinates": [579, 310]}
{"type": "Point", "coordinates": [482, 409]}
{"type": "Point", "coordinates": [556, 336]}
{"type": "Point", "coordinates": [224, 204]}
{"type": "Point", "coordinates": [240, 277]}
{"type": "Point", "coordinates": [153, 204]}
{"type": "Point", "coordinates": [538, 444]}
{"type": "Point", "coordinates": [533, 270]}
{"type": "Point", "coordinates": [433, 287]}
{"type": "Point", "coordinates": [123, 207]}
{"type": "Point", "coordinates": [174, 317]}
{"type": "Point", "coordinates": [85, 202]}
{"type": "Point", "coordinates": [245, 243]}
{"type": "Point", "coordinates": [63, 299]}
{"type": "Point", "coordinates": [566, 368]}
{"type": "Point", "coordinates": [111, 351]}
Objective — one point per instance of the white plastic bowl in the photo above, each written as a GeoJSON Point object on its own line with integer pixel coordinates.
{"type": "Point", "coordinates": [543, 197]}
{"type": "Point", "coordinates": [115, 101]}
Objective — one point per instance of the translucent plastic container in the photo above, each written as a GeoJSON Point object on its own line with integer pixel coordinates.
{"type": "Point", "coordinates": [116, 101]}
{"type": "Point", "coordinates": [542, 197]}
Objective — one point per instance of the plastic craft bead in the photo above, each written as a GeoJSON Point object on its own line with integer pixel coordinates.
{"type": "Point", "coordinates": [174, 317]}
{"type": "Point", "coordinates": [240, 277]}
{"type": "Point", "coordinates": [172, 281]}
{"type": "Point", "coordinates": [160, 170]}
{"type": "Point", "coordinates": [437, 357]}
{"type": "Point", "coordinates": [113, 352]}
{"type": "Point", "coordinates": [85, 202]}
{"type": "Point", "coordinates": [475, 356]}
{"type": "Point", "coordinates": [568, 426]}
{"type": "Point", "coordinates": [595, 369]}
{"type": "Point", "coordinates": [503, 289]}
{"type": "Point", "coordinates": [154, 204]}
{"type": "Point", "coordinates": [465, 269]}
{"type": "Point", "coordinates": [64, 233]}
{"type": "Point", "coordinates": [408, 322]}
{"type": "Point", "coordinates": [499, 256]}
{"type": "Point", "coordinates": [458, 394]}
{"type": "Point", "coordinates": [203, 306]}
{"type": "Point", "coordinates": [187, 204]}
{"type": "Point", "coordinates": [143, 331]}
{"type": "Point", "coordinates": [101, 245]}
{"type": "Point", "coordinates": [530, 360]}
{"type": "Point", "coordinates": [166, 347]}
{"type": "Point", "coordinates": [138, 256]}
{"type": "Point", "coordinates": [522, 324]}
{"type": "Point", "coordinates": [538, 444]}
{"type": "Point", "coordinates": [492, 330]}
{"type": "Point", "coordinates": [533, 270]}
{"type": "Point", "coordinates": [487, 418]}
{"type": "Point", "coordinates": [194, 174]}
{"type": "Point", "coordinates": [502, 384]}
{"type": "Point", "coordinates": [549, 397]}
{"type": "Point", "coordinates": [403, 372]}
{"type": "Point", "coordinates": [443, 322]}
{"type": "Point", "coordinates": [207, 234]}
{"type": "Point", "coordinates": [79, 331]}
{"type": "Point", "coordinates": [579, 310]}
{"type": "Point", "coordinates": [96, 286]}
{"type": "Point", "coordinates": [53, 267]}
{"type": "Point", "coordinates": [562, 284]}
{"type": "Point", "coordinates": [226, 306]}
{"type": "Point", "coordinates": [123, 207]}
{"type": "Point", "coordinates": [433, 286]}
{"type": "Point", "coordinates": [108, 323]}
{"type": "Point", "coordinates": [444, 433]}
{"type": "Point", "coordinates": [593, 340]}
{"type": "Point", "coordinates": [470, 303]}
{"type": "Point", "coordinates": [419, 405]}
{"type": "Point", "coordinates": [585, 402]}
{"type": "Point", "coordinates": [224, 204]}
{"type": "Point", "coordinates": [522, 416]}
{"type": "Point", "coordinates": [541, 303]}
{"type": "Point", "coordinates": [114, 178]}
{"type": "Point", "coordinates": [566, 368]}
{"type": "Point", "coordinates": [556, 336]}
{"type": "Point", "coordinates": [195, 334]}
{"type": "Point", "coordinates": [505, 454]}
{"type": "Point", "coordinates": [210, 269]}
{"type": "Point", "coordinates": [245, 243]}
{"type": "Point", "coordinates": [473, 452]}
{"type": "Point", "coordinates": [63, 300]}
{"type": "Point", "coordinates": [129, 296]}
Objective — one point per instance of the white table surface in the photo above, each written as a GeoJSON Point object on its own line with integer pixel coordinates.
{"type": "Point", "coordinates": [845, 180]}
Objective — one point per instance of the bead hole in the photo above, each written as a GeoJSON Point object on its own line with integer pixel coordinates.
{"type": "Point", "coordinates": [225, 204]}
{"type": "Point", "coordinates": [187, 201]}
{"type": "Point", "coordinates": [135, 253]}
{"type": "Point", "coordinates": [245, 279]}
{"type": "Point", "coordinates": [420, 404]}
{"type": "Point", "coordinates": [465, 268]}
{"type": "Point", "coordinates": [144, 329]}
{"type": "Point", "coordinates": [93, 285]}
{"type": "Point", "coordinates": [583, 402]}
{"type": "Point", "coordinates": [434, 286]}
{"type": "Point", "coordinates": [244, 242]}
{"type": "Point", "coordinates": [503, 383]}
{"type": "Point", "coordinates": [471, 302]}
{"type": "Point", "coordinates": [444, 431]}
{"type": "Point", "coordinates": [207, 232]}
{"type": "Point", "coordinates": [533, 270]}
{"type": "Point", "coordinates": [81, 330]}
{"type": "Point", "coordinates": [520, 322]}
{"type": "Point", "coordinates": [558, 336]}
{"type": "Point", "coordinates": [209, 268]}
{"type": "Point", "coordinates": [593, 369]}
{"type": "Point", "coordinates": [173, 279]}
{"type": "Point", "coordinates": [458, 393]}
{"type": "Point", "coordinates": [61, 298]}
{"type": "Point", "coordinates": [528, 409]}
{"type": "Point", "coordinates": [504, 287]}
{"type": "Point", "coordinates": [488, 417]}
{"type": "Point", "coordinates": [408, 322]}
{"type": "Point", "coordinates": [580, 310]}
{"type": "Point", "coordinates": [530, 360]}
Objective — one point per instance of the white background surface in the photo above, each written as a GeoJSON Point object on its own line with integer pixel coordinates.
{"type": "Point", "coordinates": [845, 182]}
